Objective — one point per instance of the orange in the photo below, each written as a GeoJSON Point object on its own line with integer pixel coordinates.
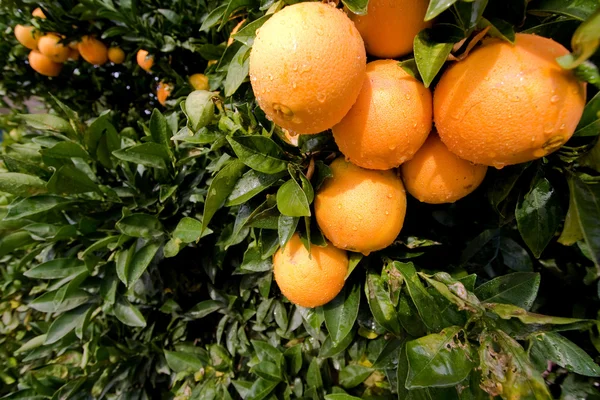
{"type": "Point", "coordinates": [506, 104]}
{"type": "Point", "coordinates": [389, 121]}
{"type": "Point", "coordinates": [307, 66]}
{"type": "Point", "coordinates": [43, 65]}
{"type": "Point", "coordinates": [92, 50]}
{"type": "Point", "coordinates": [50, 46]}
{"type": "Point", "coordinates": [234, 31]}
{"type": "Point", "coordinates": [116, 55]}
{"type": "Point", "coordinates": [38, 13]}
{"type": "Point", "coordinates": [73, 54]}
{"type": "Point", "coordinates": [309, 279]}
{"type": "Point", "coordinates": [163, 91]}
{"type": "Point", "coordinates": [27, 36]}
{"type": "Point", "coordinates": [199, 82]}
{"type": "Point", "coordinates": [390, 26]}
{"type": "Point", "coordinates": [359, 209]}
{"type": "Point", "coordinates": [435, 175]}
{"type": "Point", "coordinates": [144, 60]}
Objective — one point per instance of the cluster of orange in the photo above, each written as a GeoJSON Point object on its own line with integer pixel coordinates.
{"type": "Point", "coordinates": [502, 104]}
{"type": "Point", "coordinates": [48, 52]}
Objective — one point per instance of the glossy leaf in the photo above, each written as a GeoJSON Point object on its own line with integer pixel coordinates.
{"type": "Point", "coordinates": [220, 188]}
{"type": "Point", "coordinates": [519, 289]}
{"type": "Point", "coordinates": [556, 348]}
{"type": "Point", "coordinates": [380, 304]}
{"type": "Point", "coordinates": [341, 312]}
{"type": "Point", "coordinates": [21, 184]}
{"type": "Point", "coordinates": [260, 153]}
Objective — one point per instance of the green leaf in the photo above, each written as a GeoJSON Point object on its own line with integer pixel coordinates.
{"type": "Point", "coordinates": [430, 55]}
{"type": "Point", "coordinates": [140, 262]}
{"type": "Point", "coordinates": [358, 7]}
{"type": "Point", "coordinates": [237, 71]}
{"type": "Point", "coordinates": [260, 389]}
{"type": "Point", "coordinates": [353, 375]}
{"type": "Point", "coordinates": [581, 9]}
{"type": "Point", "coordinates": [57, 269]}
{"type": "Point", "coordinates": [65, 150]}
{"type": "Point", "coordinates": [508, 311]}
{"type": "Point", "coordinates": [514, 256]}
{"type": "Point", "coordinates": [380, 304]}
{"type": "Point", "coordinates": [551, 346]}
{"type": "Point", "coordinates": [25, 394]}
{"type": "Point", "coordinates": [200, 109]}
{"type": "Point", "coordinates": [505, 182]}
{"type": "Point", "coordinates": [590, 115]}
{"type": "Point", "coordinates": [585, 42]}
{"type": "Point", "coordinates": [520, 289]}
{"type": "Point", "coordinates": [436, 7]}
{"type": "Point", "coordinates": [293, 356]}
{"type": "Point", "coordinates": [213, 18]}
{"type": "Point", "coordinates": [438, 360]}
{"type": "Point", "coordinates": [188, 230]}
{"type": "Point", "coordinates": [538, 216]}
{"type": "Point", "coordinates": [286, 227]}
{"type": "Point", "coordinates": [33, 206]}
{"type": "Point", "coordinates": [69, 179]}
{"type": "Point", "coordinates": [292, 200]}
{"type": "Point", "coordinates": [220, 188]}
{"type": "Point", "coordinates": [128, 313]}
{"type": "Point", "coordinates": [148, 154]}
{"type": "Point", "coordinates": [21, 184]}
{"type": "Point", "coordinates": [180, 361]}
{"type": "Point", "coordinates": [340, 396]}
{"type": "Point", "coordinates": [247, 34]}
{"type": "Point", "coordinates": [47, 122]}
{"type": "Point", "coordinates": [140, 225]}
{"type": "Point", "coordinates": [65, 323]}
{"type": "Point", "coordinates": [158, 129]}
{"type": "Point", "coordinates": [268, 370]}
{"type": "Point", "coordinates": [586, 210]}
{"type": "Point", "coordinates": [46, 302]}
{"type": "Point", "coordinates": [330, 349]}
{"type": "Point", "coordinates": [341, 312]}
{"type": "Point", "coordinates": [251, 184]}
{"type": "Point", "coordinates": [313, 375]}
{"type": "Point", "coordinates": [259, 153]}
{"type": "Point", "coordinates": [14, 240]}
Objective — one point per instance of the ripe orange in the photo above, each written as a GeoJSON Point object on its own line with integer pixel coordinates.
{"type": "Point", "coordinates": [73, 54]}
{"type": "Point", "coordinates": [43, 65]}
{"type": "Point", "coordinates": [144, 60]}
{"type": "Point", "coordinates": [309, 279]}
{"type": "Point", "coordinates": [27, 36]}
{"type": "Point", "coordinates": [38, 13]}
{"type": "Point", "coordinates": [435, 175]}
{"type": "Point", "coordinates": [116, 55]}
{"type": "Point", "coordinates": [359, 209]}
{"type": "Point", "coordinates": [92, 50]}
{"type": "Point", "coordinates": [389, 121]}
{"type": "Point", "coordinates": [163, 91]}
{"type": "Point", "coordinates": [199, 82]}
{"type": "Point", "coordinates": [307, 66]}
{"type": "Point", "coordinates": [50, 46]}
{"type": "Point", "coordinates": [506, 104]}
{"type": "Point", "coordinates": [390, 26]}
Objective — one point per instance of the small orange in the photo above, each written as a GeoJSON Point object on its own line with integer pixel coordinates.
{"type": "Point", "coordinates": [38, 13]}
{"type": "Point", "coordinates": [309, 279]}
{"type": "Point", "coordinates": [199, 81]}
{"type": "Point", "coordinates": [73, 54]}
{"type": "Point", "coordinates": [116, 55]}
{"type": "Point", "coordinates": [43, 65]}
{"type": "Point", "coordinates": [389, 121]}
{"type": "Point", "coordinates": [435, 175]}
{"type": "Point", "coordinates": [163, 91]}
{"type": "Point", "coordinates": [144, 60]}
{"type": "Point", "coordinates": [93, 50]}
{"type": "Point", "coordinates": [28, 36]}
{"type": "Point", "coordinates": [50, 46]}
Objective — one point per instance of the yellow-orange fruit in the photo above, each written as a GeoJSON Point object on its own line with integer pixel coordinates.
{"type": "Point", "coordinates": [50, 46]}
{"type": "Point", "coordinates": [43, 65]}
{"type": "Point", "coordinates": [359, 209]}
{"type": "Point", "coordinates": [93, 50]}
{"type": "Point", "coordinates": [309, 279]}
{"type": "Point", "coordinates": [389, 121]}
{"type": "Point", "coordinates": [234, 31]}
{"type": "Point", "coordinates": [116, 55]}
{"type": "Point", "coordinates": [435, 175]}
{"type": "Point", "coordinates": [144, 60]}
{"type": "Point", "coordinates": [199, 82]}
{"type": "Point", "coordinates": [506, 104]}
{"type": "Point", "coordinates": [390, 26]}
{"type": "Point", "coordinates": [163, 91]}
{"type": "Point", "coordinates": [307, 66]}
{"type": "Point", "coordinates": [27, 36]}
{"type": "Point", "coordinates": [73, 54]}
{"type": "Point", "coordinates": [38, 13]}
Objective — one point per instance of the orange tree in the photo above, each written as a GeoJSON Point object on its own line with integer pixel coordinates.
{"type": "Point", "coordinates": [137, 240]}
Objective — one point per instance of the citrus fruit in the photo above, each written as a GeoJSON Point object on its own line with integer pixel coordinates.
{"type": "Point", "coordinates": [144, 60]}
{"type": "Point", "coordinates": [199, 82]}
{"type": "Point", "coordinates": [390, 26]}
{"type": "Point", "coordinates": [50, 46]}
{"type": "Point", "coordinates": [116, 55]}
{"type": "Point", "coordinates": [27, 36]}
{"type": "Point", "coordinates": [309, 279]}
{"type": "Point", "coordinates": [73, 54]}
{"type": "Point", "coordinates": [92, 50]}
{"type": "Point", "coordinates": [163, 91]}
{"type": "Point", "coordinates": [389, 121]}
{"type": "Point", "coordinates": [506, 104]}
{"type": "Point", "coordinates": [307, 66]}
{"type": "Point", "coordinates": [435, 175]}
{"type": "Point", "coordinates": [359, 209]}
{"type": "Point", "coordinates": [38, 13]}
{"type": "Point", "coordinates": [43, 65]}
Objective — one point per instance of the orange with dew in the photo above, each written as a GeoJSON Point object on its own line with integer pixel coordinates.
{"type": "Point", "coordinates": [506, 104]}
{"type": "Point", "coordinates": [309, 279]}
{"type": "Point", "coordinates": [389, 121]}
